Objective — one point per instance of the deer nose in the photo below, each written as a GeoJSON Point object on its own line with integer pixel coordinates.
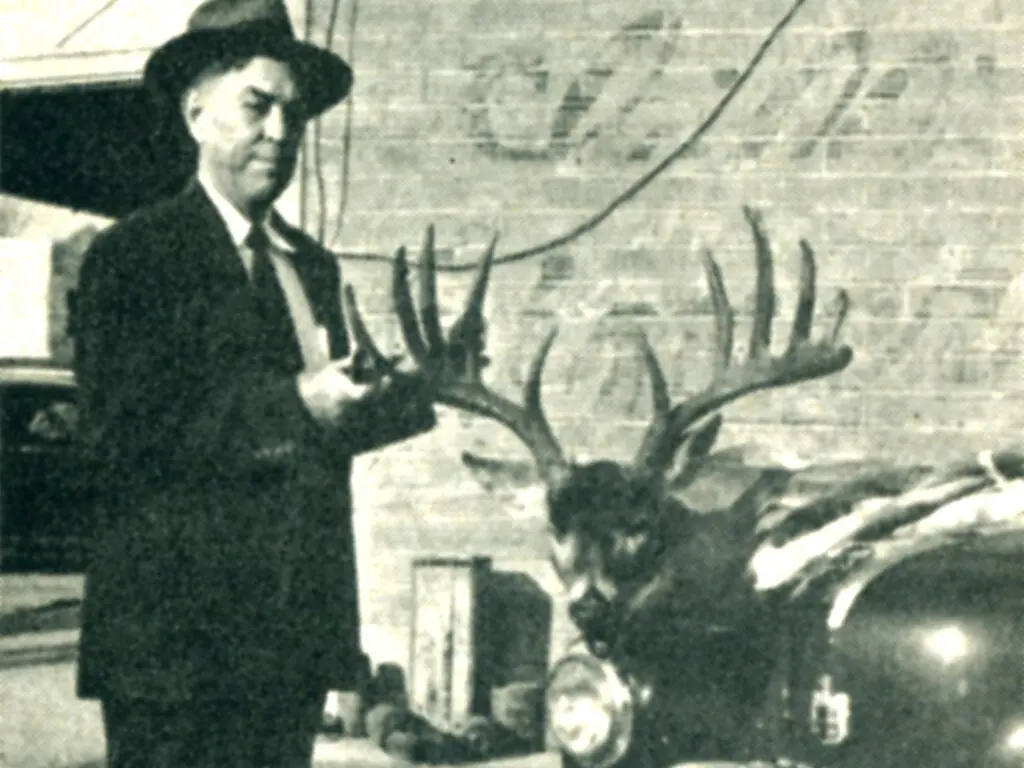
{"type": "Point", "coordinates": [591, 613]}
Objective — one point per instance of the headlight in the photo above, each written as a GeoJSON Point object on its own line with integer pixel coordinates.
{"type": "Point", "coordinates": [589, 711]}
{"type": "Point", "coordinates": [1008, 751]}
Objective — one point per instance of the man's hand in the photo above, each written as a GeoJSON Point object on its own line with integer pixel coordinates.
{"type": "Point", "coordinates": [330, 392]}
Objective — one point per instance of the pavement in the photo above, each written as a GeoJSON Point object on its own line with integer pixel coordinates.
{"type": "Point", "coordinates": [43, 724]}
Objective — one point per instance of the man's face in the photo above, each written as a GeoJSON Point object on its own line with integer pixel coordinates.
{"type": "Point", "coordinates": [248, 123]}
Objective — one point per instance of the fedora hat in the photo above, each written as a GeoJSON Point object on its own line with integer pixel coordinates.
{"type": "Point", "coordinates": [223, 29]}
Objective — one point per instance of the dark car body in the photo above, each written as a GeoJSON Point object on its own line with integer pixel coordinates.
{"type": "Point", "coordinates": [44, 517]}
{"type": "Point", "coordinates": [911, 654]}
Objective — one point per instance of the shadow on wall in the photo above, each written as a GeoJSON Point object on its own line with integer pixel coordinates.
{"type": "Point", "coordinates": [521, 614]}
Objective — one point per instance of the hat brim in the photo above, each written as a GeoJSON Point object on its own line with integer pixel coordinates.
{"type": "Point", "coordinates": [324, 77]}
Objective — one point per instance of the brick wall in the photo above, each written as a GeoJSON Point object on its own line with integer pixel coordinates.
{"type": "Point", "coordinates": [888, 134]}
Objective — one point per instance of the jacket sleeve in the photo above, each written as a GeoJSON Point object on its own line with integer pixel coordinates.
{"type": "Point", "coordinates": [403, 412]}
{"type": "Point", "coordinates": [155, 406]}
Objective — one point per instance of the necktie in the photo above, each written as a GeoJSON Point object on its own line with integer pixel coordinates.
{"type": "Point", "coordinates": [271, 304]}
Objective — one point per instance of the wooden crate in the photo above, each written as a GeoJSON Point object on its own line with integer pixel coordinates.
{"type": "Point", "coordinates": [449, 669]}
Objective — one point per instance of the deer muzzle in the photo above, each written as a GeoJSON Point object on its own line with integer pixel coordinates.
{"type": "Point", "coordinates": [596, 617]}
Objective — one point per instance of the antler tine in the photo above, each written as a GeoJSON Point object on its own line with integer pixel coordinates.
{"type": "Point", "coordinates": [805, 300]}
{"type": "Point", "coordinates": [542, 439]}
{"type": "Point", "coordinates": [764, 303]}
{"type": "Point", "coordinates": [661, 402]}
{"type": "Point", "coordinates": [805, 304]}
{"type": "Point", "coordinates": [660, 440]}
{"type": "Point", "coordinates": [467, 331]}
{"type": "Point", "coordinates": [430, 317]}
{"type": "Point", "coordinates": [363, 341]}
{"type": "Point", "coordinates": [841, 304]}
{"type": "Point", "coordinates": [455, 365]}
{"type": "Point", "coordinates": [722, 310]}
{"type": "Point", "coordinates": [475, 301]}
{"type": "Point", "coordinates": [803, 359]}
{"type": "Point", "coordinates": [406, 310]}
{"type": "Point", "coordinates": [527, 422]}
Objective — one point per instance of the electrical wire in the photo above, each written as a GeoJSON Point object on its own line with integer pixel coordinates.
{"type": "Point", "coordinates": [86, 22]}
{"type": "Point", "coordinates": [346, 147]}
{"type": "Point", "coordinates": [637, 186]}
{"type": "Point", "coordinates": [307, 34]}
{"type": "Point", "coordinates": [318, 166]}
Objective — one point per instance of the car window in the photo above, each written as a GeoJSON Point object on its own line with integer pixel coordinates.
{"type": "Point", "coordinates": [37, 417]}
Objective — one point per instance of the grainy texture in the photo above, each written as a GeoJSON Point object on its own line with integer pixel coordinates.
{"type": "Point", "coordinates": [887, 134]}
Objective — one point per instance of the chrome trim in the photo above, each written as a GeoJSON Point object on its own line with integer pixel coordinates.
{"type": "Point", "coordinates": [883, 555]}
{"type": "Point", "coordinates": [35, 373]}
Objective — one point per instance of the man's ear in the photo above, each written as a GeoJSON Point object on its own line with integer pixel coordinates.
{"type": "Point", "coordinates": [498, 475]}
{"type": "Point", "coordinates": [191, 106]}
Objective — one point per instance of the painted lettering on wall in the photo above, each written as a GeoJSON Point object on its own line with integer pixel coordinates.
{"type": "Point", "coordinates": [571, 111]}
{"type": "Point", "coordinates": [518, 108]}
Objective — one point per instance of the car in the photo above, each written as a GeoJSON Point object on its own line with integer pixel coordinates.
{"type": "Point", "coordinates": [897, 648]}
{"type": "Point", "coordinates": [44, 514]}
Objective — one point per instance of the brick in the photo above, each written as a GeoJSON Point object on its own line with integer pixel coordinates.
{"type": "Point", "coordinates": [874, 299]}
{"type": "Point", "coordinates": [782, 443]}
{"type": "Point", "coordinates": [1006, 46]}
{"type": "Point", "coordinates": [910, 200]}
{"type": "Point", "coordinates": [811, 403]}
{"type": "Point", "coordinates": [833, 192]}
{"type": "Point", "coordinates": [389, 600]}
{"type": "Point", "coordinates": [459, 537]}
{"type": "Point", "coordinates": [952, 300]}
{"type": "Point", "coordinates": [1006, 228]}
{"type": "Point", "coordinates": [866, 226]}
{"type": "Point", "coordinates": [880, 265]}
{"type": "Point", "coordinates": [914, 409]}
{"type": "Point", "coordinates": [956, 153]}
{"type": "Point", "coordinates": [721, 47]}
{"type": "Point", "coordinates": [932, 445]}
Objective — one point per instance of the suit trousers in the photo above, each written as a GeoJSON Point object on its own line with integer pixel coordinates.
{"type": "Point", "coordinates": [207, 733]}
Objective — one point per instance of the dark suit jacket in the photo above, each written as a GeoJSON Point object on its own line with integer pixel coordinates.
{"type": "Point", "coordinates": [223, 558]}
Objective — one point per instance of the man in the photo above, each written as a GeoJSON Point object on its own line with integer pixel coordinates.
{"type": "Point", "coordinates": [221, 411]}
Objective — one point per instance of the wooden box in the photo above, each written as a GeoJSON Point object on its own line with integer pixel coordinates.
{"type": "Point", "coordinates": [449, 666]}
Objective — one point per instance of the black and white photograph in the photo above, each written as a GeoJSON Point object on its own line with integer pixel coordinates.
{"type": "Point", "coordinates": [511, 383]}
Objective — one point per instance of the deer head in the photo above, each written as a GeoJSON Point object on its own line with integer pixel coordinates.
{"type": "Point", "coordinates": [618, 531]}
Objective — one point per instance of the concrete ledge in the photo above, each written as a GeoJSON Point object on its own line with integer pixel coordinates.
{"type": "Point", "coordinates": [359, 753]}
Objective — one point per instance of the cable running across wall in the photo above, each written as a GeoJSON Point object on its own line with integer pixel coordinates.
{"type": "Point", "coordinates": [637, 186]}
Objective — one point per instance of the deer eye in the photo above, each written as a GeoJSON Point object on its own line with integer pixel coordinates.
{"type": "Point", "coordinates": [637, 527]}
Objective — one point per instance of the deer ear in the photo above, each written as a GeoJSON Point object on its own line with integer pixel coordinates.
{"type": "Point", "coordinates": [497, 475]}
{"type": "Point", "coordinates": [695, 448]}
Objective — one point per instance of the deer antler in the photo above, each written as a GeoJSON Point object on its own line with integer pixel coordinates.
{"type": "Point", "coordinates": [803, 359]}
{"type": "Point", "coordinates": [454, 366]}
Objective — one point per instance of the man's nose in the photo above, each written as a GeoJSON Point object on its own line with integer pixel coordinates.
{"type": "Point", "coordinates": [275, 124]}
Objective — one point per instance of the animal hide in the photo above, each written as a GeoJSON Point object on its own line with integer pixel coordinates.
{"type": "Point", "coordinates": [806, 530]}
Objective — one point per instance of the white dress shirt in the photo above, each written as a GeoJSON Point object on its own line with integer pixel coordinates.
{"type": "Point", "coordinates": [313, 338]}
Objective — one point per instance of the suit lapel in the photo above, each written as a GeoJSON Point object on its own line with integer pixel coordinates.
{"type": "Point", "coordinates": [218, 255]}
{"type": "Point", "coordinates": [320, 280]}
{"type": "Point", "coordinates": [226, 285]}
